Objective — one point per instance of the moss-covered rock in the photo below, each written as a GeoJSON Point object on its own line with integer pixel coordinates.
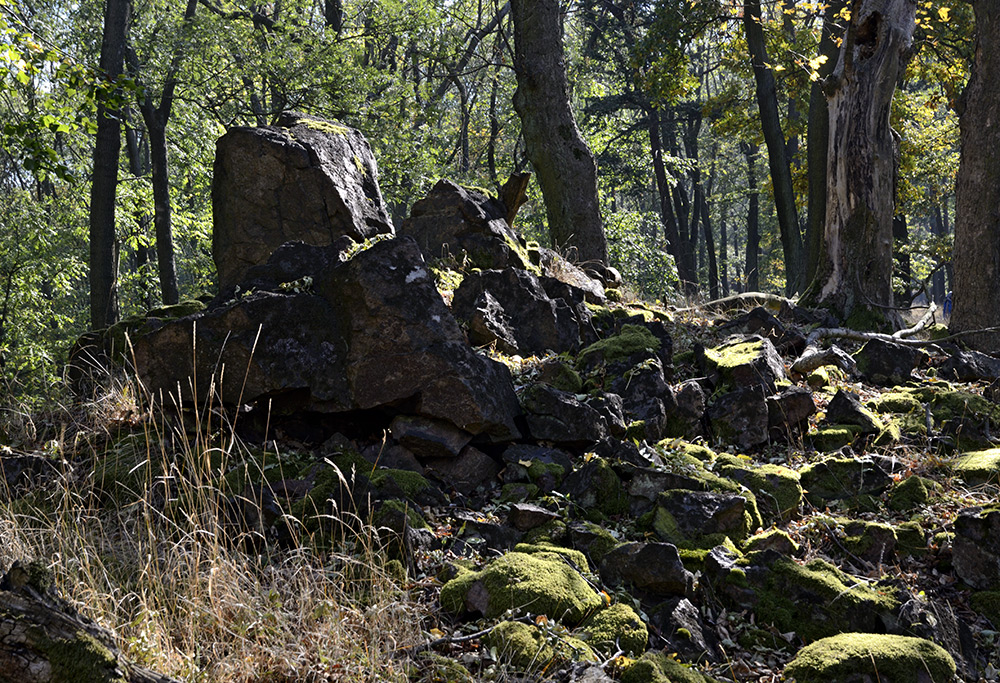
{"type": "Point", "coordinates": [857, 657]}
{"type": "Point", "coordinates": [617, 627]}
{"type": "Point", "coordinates": [702, 519]}
{"type": "Point", "coordinates": [777, 489]}
{"type": "Point", "coordinates": [592, 539]}
{"type": "Point", "coordinates": [595, 488]}
{"type": "Point", "coordinates": [896, 402]}
{"type": "Point", "coordinates": [752, 364]}
{"type": "Point", "coordinates": [533, 649]}
{"type": "Point", "coordinates": [772, 539]}
{"type": "Point", "coordinates": [978, 467]}
{"type": "Point", "coordinates": [817, 599]}
{"type": "Point", "coordinates": [632, 339]}
{"type": "Point", "coordinates": [434, 667]}
{"type": "Point", "coordinates": [831, 438]}
{"type": "Point", "coordinates": [871, 541]}
{"type": "Point", "coordinates": [842, 479]}
{"type": "Point", "coordinates": [657, 667]}
{"type": "Point", "coordinates": [910, 493]}
{"type": "Point", "coordinates": [537, 583]}
{"type": "Point", "coordinates": [576, 558]}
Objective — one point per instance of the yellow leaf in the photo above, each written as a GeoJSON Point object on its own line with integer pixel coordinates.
{"type": "Point", "coordinates": [943, 12]}
{"type": "Point", "coordinates": [436, 632]}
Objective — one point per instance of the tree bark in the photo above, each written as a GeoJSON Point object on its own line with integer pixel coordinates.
{"type": "Point", "coordinates": [563, 163]}
{"type": "Point", "coordinates": [753, 221]}
{"type": "Point", "coordinates": [818, 139]}
{"type": "Point", "coordinates": [854, 277]}
{"type": "Point", "coordinates": [103, 240]}
{"type": "Point", "coordinates": [774, 139]}
{"type": "Point", "coordinates": [977, 216]}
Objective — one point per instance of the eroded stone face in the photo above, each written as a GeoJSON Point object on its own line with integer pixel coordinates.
{"type": "Point", "coordinates": [304, 179]}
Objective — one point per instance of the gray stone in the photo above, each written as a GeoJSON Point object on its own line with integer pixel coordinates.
{"type": "Point", "coordinates": [469, 471]}
{"type": "Point", "coordinates": [694, 516]}
{"type": "Point", "coordinates": [788, 412]}
{"type": "Point", "coordinates": [428, 438]}
{"type": "Point", "coordinates": [740, 417]}
{"type": "Point", "coordinates": [653, 568]}
{"type": "Point", "coordinates": [885, 363]}
{"type": "Point", "coordinates": [976, 548]}
{"type": "Point", "coordinates": [304, 179]}
{"type": "Point", "coordinates": [559, 416]}
{"type": "Point", "coordinates": [845, 409]}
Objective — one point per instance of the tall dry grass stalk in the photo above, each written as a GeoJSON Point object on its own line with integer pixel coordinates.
{"type": "Point", "coordinates": [157, 562]}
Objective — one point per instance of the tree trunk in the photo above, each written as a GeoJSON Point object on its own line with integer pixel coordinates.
{"type": "Point", "coordinates": [686, 274]}
{"type": "Point", "coordinates": [818, 139]}
{"type": "Point", "coordinates": [753, 220]}
{"type": "Point", "coordinates": [854, 278]}
{"type": "Point", "coordinates": [724, 252]}
{"type": "Point", "coordinates": [103, 242]}
{"type": "Point", "coordinates": [333, 14]}
{"type": "Point", "coordinates": [781, 174]}
{"type": "Point", "coordinates": [901, 238]}
{"type": "Point", "coordinates": [563, 163]}
{"type": "Point", "coordinates": [977, 220]}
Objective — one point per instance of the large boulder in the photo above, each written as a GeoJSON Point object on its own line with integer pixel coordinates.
{"type": "Point", "coordinates": [512, 309]}
{"type": "Point", "coordinates": [303, 179]}
{"type": "Point", "coordinates": [467, 223]}
{"type": "Point", "coordinates": [368, 333]}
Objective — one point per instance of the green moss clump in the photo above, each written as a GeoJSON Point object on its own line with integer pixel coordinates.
{"type": "Point", "coordinates": [896, 402]}
{"type": "Point", "coordinates": [910, 538]}
{"type": "Point", "coordinates": [550, 533]}
{"type": "Point", "coordinates": [833, 437]}
{"type": "Point", "coordinates": [772, 539]}
{"type": "Point", "coordinates": [636, 430]}
{"type": "Point", "coordinates": [435, 667]}
{"type": "Point", "coordinates": [540, 584]}
{"type": "Point", "coordinates": [850, 656]}
{"type": "Point", "coordinates": [777, 489]}
{"type": "Point", "coordinates": [178, 310]}
{"type": "Point", "coordinates": [577, 558]}
{"type": "Point", "coordinates": [632, 339]}
{"type": "Point", "coordinates": [667, 528]}
{"type": "Point", "coordinates": [517, 492]}
{"type": "Point", "coordinates": [598, 540]}
{"type": "Point", "coordinates": [561, 375]}
{"type": "Point", "coordinates": [324, 126]}
{"type": "Point", "coordinates": [614, 627]}
{"type": "Point", "coordinates": [728, 357]}
{"type": "Point", "coordinates": [818, 600]}
{"type": "Point", "coordinates": [529, 648]}
{"type": "Point", "coordinates": [910, 493]}
{"type": "Point", "coordinates": [818, 378]}
{"type": "Point", "coordinates": [614, 295]}
{"type": "Point", "coordinates": [978, 467]}
{"type": "Point", "coordinates": [83, 658]}
{"type": "Point", "coordinates": [657, 667]}
{"type": "Point", "coordinates": [987, 603]}
{"type": "Point", "coordinates": [865, 319]}
{"type": "Point", "coordinates": [412, 484]}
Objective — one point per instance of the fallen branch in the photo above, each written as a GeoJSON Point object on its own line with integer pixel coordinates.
{"type": "Point", "coordinates": [921, 324]}
{"type": "Point", "coordinates": [814, 357]}
{"type": "Point", "coordinates": [739, 301]}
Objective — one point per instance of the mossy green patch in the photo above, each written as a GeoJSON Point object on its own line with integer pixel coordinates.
{"type": "Point", "coordinates": [818, 599]}
{"type": "Point", "coordinates": [434, 667]}
{"type": "Point", "coordinates": [178, 310]}
{"type": "Point", "coordinates": [324, 126]}
{"type": "Point", "coordinates": [657, 667]}
{"type": "Point", "coordinates": [889, 658]}
{"type": "Point", "coordinates": [777, 489]}
{"type": "Point", "coordinates": [734, 527]}
{"type": "Point", "coordinates": [867, 319]}
{"type": "Point", "coordinates": [550, 533]}
{"type": "Point", "coordinates": [540, 584]}
{"type": "Point", "coordinates": [617, 627]}
{"type": "Point", "coordinates": [516, 492]}
{"type": "Point", "coordinates": [911, 538]}
{"type": "Point", "coordinates": [910, 493]}
{"type": "Point", "coordinates": [631, 339]}
{"type": "Point", "coordinates": [772, 539]}
{"type": "Point", "coordinates": [81, 658]}
{"type": "Point", "coordinates": [833, 437]}
{"type": "Point", "coordinates": [576, 558]}
{"type": "Point", "coordinates": [535, 650]}
{"type": "Point", "coordinates": [978, 467]}
{"type": "Point", "coordinates": [896, 402]}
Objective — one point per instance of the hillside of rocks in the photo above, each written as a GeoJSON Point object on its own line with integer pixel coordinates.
{"type": "Point", "coordinates": [580, 486]}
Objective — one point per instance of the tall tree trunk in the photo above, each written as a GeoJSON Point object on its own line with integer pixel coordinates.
{"type": "Point", "coordinates": [685, 271]}
{"type": "Point", "coordinates": [855, 274]}
{"type": "Point", "coordinates": [818, 138]}
{"type": "Point", "coordinates": [937, 280]}
{"type": "Point", "coordinates": [724, 253]}
{"type": "Point", "coordinates": [333, 14]}
{"type": "Point", "coordinates": [103, 242]}
{"type": "Point", "coordinates": [781, 174]}
{"type": "Point", "coordinates": [901, 238]}
{"type": "Point", "coordinates": [977, 221]}
{"type": "Point", "coordinates": [752, 268]}
{"type": "Point", "coordinates": [563, 163]}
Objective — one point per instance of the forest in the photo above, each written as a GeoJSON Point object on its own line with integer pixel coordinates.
{"type": "Point", "coordinates": [733, 353]}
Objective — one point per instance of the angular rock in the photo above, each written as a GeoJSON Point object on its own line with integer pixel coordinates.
{"type": "Point", "coordinates": [679, 621]}
{"type": "Point", "coordinates": [686, 418]}
{"type": "Point", "coordinates": [525, 516]}
{"type": "Point", "coordinates": [427, 438]}
{"type": "Point", "coordinates": [653, 568]}
{"type": "Point", "coordinates": [697, 517]}
{"type": "Point", "coordinates": [612, 409]}
{"type": "Point", "coordinates": [885, 363]}
{"type": "Point", "coordinates": [510, 308]}
{"type": "Point", "coordinates": [970, 366]}
{"type": "Point", "coordinates": [843, 478]}
{"type": "Point", "coordinates": [594, 486]}
{"type": "Point", "coordinates": [762, 322]}
{"type": "Point", "coordinates": [558, 416]}
{"type": "Point", "coordinates": [304, 179]}
{"type": "Point", "coordinates": [936, 621]}
{"type": "Point", "coordinates": [543, 465]}
{"type": "Point", "coordinates": [976, 547]}
{"type": "Point", "coordinates": [369, 333]}
{"type": "Point", "coordinates": [740, 417]}
{"type": "Point", "coordinates": [467, 472]}
{"type": "Point", "coordinates": [556, 267]}
{"type": "Point", "coordinates": [845, 409]}
{"type": "Point", "coordinates": [748, 364]}
{"type": "Point", "coordinates": [454, 220]}
{"type": "Point", "coordinates": [789, 411]}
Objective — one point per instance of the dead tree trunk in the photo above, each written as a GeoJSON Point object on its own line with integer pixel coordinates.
{"type": "Point", "coordinates": [854, 278]}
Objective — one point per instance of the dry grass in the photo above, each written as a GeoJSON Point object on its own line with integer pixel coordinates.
{"type": "Point", "coordinates": [163, 570]}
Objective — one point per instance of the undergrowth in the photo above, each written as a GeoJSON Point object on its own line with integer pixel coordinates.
{"type": "Point", "coordinates": [185, 590]}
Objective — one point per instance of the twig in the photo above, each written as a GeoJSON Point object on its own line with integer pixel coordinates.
{"type": "Point", "coordinates": [738, 300]}
{"type": "Point", "coordinates": [921, 324]}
